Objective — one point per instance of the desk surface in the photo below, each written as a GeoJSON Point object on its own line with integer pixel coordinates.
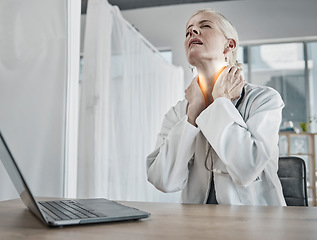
{"type": "Point", "coordinates": [172, 221]}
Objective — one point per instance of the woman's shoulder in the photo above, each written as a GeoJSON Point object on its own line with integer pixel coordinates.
{"type": "Point", "coordinates": [258, 98]}
{"type": "Point", "coordinates": [259, 91]}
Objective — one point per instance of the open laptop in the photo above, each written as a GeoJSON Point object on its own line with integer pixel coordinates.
{"type": "Point", "coordinates": [66, 212]}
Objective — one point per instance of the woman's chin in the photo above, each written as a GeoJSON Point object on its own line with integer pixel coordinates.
{"type": "Point", "coordinates": [193, 59]}
{"type": "Point", "coordinates": [193, 54]}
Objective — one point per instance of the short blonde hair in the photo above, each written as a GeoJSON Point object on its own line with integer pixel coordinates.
{"type": "Point", "coordinates": [228, 30]}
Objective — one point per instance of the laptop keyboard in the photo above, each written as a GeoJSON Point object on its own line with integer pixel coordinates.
{"type": "Point", "coordinates": [66, 210]}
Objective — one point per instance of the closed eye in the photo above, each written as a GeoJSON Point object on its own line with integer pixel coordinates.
{"type": "Point", "coordinates": [206, 26]}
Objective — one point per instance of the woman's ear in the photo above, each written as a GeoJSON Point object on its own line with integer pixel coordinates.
{"type": "Point", "coordinates": [230, 46]}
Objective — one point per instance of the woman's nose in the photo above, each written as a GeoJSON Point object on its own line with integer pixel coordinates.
{"type": "Point", "coordinates": [193, 30]}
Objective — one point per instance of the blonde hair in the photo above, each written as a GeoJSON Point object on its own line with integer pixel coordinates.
{"type": "Point", "coordinates": [228, 30]}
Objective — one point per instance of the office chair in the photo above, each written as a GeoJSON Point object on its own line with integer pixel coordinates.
{"type": "Point", "coordinates": [292, 174]}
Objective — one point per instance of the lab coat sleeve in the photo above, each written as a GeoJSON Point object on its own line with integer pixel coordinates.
{"type": "Point", "coordinates": [167, 165]}
{"type": "Point", "coordinates": [244, 146]}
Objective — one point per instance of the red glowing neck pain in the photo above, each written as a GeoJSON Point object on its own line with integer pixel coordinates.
{"type": "Point", "coordinates": [202, 82]}
{"type": "Point", "coordinates": [218, 74]}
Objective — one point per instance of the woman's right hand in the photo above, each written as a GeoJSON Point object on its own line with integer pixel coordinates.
{"type": "Point", "coordinates": [196, 101]}
{"type": "Point", "coordinates": [229, 84]}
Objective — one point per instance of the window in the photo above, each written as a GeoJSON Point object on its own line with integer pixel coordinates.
{"type": "Point", "coordinates": [282, 67]}
{"type": "Point", "coordinates": [288, 68]}
{"type": "Point", "coordinates": [312, 76]}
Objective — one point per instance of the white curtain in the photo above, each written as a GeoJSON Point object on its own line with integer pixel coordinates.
{"type": "Point", "coordinates": [33, 71]}
{"type": "Point", "coordinates": [126, 90]}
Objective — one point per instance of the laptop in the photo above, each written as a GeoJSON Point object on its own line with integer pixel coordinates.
{"type": "Point", "coordinates": [66, 212]}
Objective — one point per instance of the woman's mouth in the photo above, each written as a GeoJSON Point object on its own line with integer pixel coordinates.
{"type": "Point", "coordinates": [195, 41]}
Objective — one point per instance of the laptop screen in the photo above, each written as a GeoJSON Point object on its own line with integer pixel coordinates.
{"type": "Point", "coordinates": [17, 178]}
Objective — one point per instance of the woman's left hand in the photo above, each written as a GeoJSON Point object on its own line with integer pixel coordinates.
{"type": "Point", "coordinates": [196, 101]}
{"type": "Point", "coordinates": [229, 84]}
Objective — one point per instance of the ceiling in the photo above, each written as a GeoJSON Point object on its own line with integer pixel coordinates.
{"type": "Point", "coordinates": [133, 4]}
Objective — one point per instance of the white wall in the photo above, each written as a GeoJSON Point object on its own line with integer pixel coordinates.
{"type": "Point", "coordinates": [255, 20]}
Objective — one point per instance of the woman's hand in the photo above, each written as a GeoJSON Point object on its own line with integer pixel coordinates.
{"type": "Point", "coordinates": [196, 101]}
{"type": "Point", "coordinates": [229, 84]}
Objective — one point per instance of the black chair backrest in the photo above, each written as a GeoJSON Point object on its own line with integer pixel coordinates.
{"type": "Point", "coordinates": [292, 174]}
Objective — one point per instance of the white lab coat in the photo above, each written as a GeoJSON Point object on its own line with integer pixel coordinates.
{"type": "Point", "coordinates": [244, 150]}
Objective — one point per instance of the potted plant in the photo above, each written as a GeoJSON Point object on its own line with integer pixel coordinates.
{"type": "Point", "coordinates": [305, 125]}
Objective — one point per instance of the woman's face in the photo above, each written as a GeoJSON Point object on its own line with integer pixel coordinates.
{"type": "Point", "coordinates": [204, 40]}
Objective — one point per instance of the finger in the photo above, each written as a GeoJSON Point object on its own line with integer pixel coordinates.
{"type": "Point", "coordinates": [229, 77]}
{"type": "Point", "coordinates": [237, 87]}
{"type": "Point", "coordinates": [240, 87]}
{"type": "Point", "coordinates": [242, 79]}
{"type": "Point", "coordinates": [232, 73]}
{"type": "Point", "coordinates": [196, 79]}
{"type": "Point", "coordinates": [237, 78]}
{"type": "Point", "coordinates": [238, 73]}
{"type": "Point", "coordinates": [238, 82]}
{"type": "Point", "coordinates": [235, 94]}
{"type": "Point", "coordinates": [241, 84]}
{"type": "Point", "coordinates": [233, 69]}
{"type": "Point", "coordinates": [186, 97]}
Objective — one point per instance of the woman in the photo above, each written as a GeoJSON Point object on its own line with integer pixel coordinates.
{"type": "Point", "coordinates": [220, 144]}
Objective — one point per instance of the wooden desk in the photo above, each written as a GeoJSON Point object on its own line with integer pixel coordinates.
{"type": "Point", "coordinates": [172, 221]}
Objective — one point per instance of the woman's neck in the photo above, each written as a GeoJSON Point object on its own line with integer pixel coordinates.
{"type": "Point", "coordinates": [207, 77]}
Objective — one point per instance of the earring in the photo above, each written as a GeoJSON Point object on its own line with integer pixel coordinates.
{"type": "Point", "coordinates": [226, 59]}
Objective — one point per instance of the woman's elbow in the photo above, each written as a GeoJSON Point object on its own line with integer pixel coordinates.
{"type": "Point", "coordinates": [165, 185]}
